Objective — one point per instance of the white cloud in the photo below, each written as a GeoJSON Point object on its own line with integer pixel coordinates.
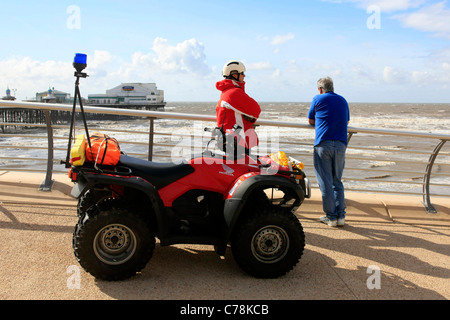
{"type": "Point", "coordinates": [276, 74]}
{"type": "Point", "coordinates": [436, 72]}
{"type": "Point", "coordinates": [433, 18]}
{"type": "Point", "coordinates": [422, 78]}
{"type": "Point", "coordinates": [361, 73]}
{"type": "Point", "coordinates": [186, 56]}
{"type": "Point", "coordinates": [441, 56]}
{"type": "Point", "coordinates": [29, 76]}
{"type": "Point", "coordinates": [392, 5]}
{"type": "Point", "coordinates": [172, 67]}
{"type": "Point", "coordinates": [15, 68]}
{"type": "Point", "coordinates": [436, 79]}
{"type": "Point", "coordinates": [101, 57]}
{"type": "Point", "coordinates": [416, 14]}
{"type": "Point", "coordinates": [259, 66]}
{"type": "Point", "coordinates": [163, 63]}
{"type": "Point", "coordinates": [384, 5]}
{"type": "Point", "coordinates": [281, 39]}
{"type": "Point", "coordinates": [98, 65]}
{"type": "Point", "coordinates": [394, 76]}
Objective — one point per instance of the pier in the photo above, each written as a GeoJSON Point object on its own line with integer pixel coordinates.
{"type": "Point", "coordinates": [37, 116]}
{"type": "Point", "coordinates": [133, 96]}
{"type": "Point", "coordinates": [30, 116]}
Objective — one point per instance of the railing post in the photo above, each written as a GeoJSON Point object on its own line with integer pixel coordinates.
{"type": "Point", "coordinates": [349, 136]}
{"type": "Point", "coordinates": [150, 139]}
{"type": "Point", "coordinates": [47, 184]}
{"type": "Point", "coordinates": [426, 178]}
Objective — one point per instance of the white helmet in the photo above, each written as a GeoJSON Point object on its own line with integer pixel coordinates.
{"type": "Point", "coordinates": [233, 65]}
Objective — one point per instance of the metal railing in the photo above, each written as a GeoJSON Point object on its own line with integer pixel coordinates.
{"type": "Point", "coordinates": [403, 168]}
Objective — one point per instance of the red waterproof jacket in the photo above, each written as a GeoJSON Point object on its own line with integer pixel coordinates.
{"type": "Point", "coordinates": [237, 107]}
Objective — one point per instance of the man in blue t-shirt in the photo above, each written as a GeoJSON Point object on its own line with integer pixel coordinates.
{"type": "Point", "coordinates": [329, 113]}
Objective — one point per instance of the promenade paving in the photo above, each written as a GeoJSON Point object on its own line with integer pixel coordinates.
{"type": "Point", "coordinates": [390, 248]}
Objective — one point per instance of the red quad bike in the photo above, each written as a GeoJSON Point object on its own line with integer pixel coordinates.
{"type": "Point", "coordinates": [245, 201]}
{"type": "Point", "coordinates": [209, 200]}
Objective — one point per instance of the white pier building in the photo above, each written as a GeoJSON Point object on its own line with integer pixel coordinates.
{"type": "Point", "coordinates": [130, 95]}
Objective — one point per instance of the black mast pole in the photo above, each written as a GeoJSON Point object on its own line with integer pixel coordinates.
{"type": "Point", "coordinates": [79, 64]}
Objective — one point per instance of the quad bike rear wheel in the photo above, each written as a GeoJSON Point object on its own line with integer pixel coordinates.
{"type": "Point", "coordinates": [112, 242]}
{"type": "Point", "coordinates": [269, 243]}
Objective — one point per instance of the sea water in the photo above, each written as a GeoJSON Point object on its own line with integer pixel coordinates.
{"type": "Point", "coordinates": [421, 118]}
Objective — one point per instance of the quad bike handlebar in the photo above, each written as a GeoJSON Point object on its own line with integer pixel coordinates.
{"type": "Point", "coordinates": [228, 141]}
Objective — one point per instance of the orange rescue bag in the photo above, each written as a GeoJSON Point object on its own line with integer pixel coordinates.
{"type": "Point", "coordinates": [104, 150]}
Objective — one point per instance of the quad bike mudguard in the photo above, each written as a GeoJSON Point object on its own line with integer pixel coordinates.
{"type": "Point", "coordinates": [242, 189]}
{"type": "Point", "coordinates": [87, 180]}
{"type": "Point", "coordinates": [160, 175]}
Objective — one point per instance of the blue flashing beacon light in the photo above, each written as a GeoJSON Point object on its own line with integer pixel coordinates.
{"type": "Point", "coordinates": [79, 62]}
{"type": "Point", "coordinates": [80, 58]}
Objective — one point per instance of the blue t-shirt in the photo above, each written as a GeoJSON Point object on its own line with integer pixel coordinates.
{"type": "Point", "coordinates": [331, 114]}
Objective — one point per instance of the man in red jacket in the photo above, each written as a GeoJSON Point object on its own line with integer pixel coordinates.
{"type": "Point", "coordinates": [235, 107]}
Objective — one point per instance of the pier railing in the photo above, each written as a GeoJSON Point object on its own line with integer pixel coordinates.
{"type": "Point", "coordinates": [378, 160]}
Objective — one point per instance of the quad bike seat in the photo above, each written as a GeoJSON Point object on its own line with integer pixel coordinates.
{"type": "Point", "coordinates": [158, 174]}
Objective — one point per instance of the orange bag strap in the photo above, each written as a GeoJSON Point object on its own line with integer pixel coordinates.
{"type": "Point", "coordinates": [98, 153]}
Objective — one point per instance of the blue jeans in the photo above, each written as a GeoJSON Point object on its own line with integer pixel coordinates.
{"type": "Point", "coordinates": [329, 163]}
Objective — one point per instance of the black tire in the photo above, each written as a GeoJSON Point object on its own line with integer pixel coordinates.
{"type": "Point", "coordinates": [268, 244]}
{"type": "Point", "coordinates": [90, 198]}
{"type": "Point", "coordinates": [113, 243]}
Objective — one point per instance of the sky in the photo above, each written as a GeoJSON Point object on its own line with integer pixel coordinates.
{"type": "Point", "coordinates": [374, 50]}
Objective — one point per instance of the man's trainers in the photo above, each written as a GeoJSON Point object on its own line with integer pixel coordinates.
{"type": "Point", "coordinates": [330, 223]}
{"type": "Point", "coordinates": [340, 222]}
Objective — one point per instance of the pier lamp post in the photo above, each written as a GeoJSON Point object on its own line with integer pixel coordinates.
{"type": "Point", "coordinates": [79, 63]}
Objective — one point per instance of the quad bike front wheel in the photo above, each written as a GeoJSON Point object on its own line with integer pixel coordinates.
{"type": "Point", "coordinates": [269, 243]}
{"type": "Point", "coordinates": [112, 242]}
